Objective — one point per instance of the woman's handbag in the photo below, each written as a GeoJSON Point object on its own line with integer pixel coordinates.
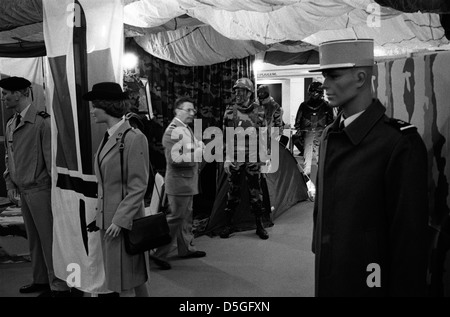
{"type": "Point", "coordinates": [148, 232]}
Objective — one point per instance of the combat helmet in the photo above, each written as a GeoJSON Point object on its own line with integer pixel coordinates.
{"type": "Point", "coordinates": [244, 83]}
{"type": "Point", "coordinates": [315, 88]}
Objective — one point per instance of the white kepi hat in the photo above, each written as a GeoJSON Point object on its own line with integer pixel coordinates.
{"type": "Point", "coordinates": [345, 54]}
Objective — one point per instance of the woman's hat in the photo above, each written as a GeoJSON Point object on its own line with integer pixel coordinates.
{"type": "Point", "coordinates": [106, 91]}
{"type": "Point", "coordinates": [345, 54]}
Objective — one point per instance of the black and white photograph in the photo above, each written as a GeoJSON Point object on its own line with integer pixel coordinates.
{"type": "Point", "coordinates": [224, 156]}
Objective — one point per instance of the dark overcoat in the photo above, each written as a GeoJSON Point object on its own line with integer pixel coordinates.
{"type": "Point", "coordinates": [370, 213]}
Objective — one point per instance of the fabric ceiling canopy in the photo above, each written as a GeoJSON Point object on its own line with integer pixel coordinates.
{"type": "Point", "coordinates": [205, 32]}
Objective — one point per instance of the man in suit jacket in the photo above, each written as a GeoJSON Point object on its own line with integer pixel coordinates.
{"type": "Point", "coordinates": [183, 152]}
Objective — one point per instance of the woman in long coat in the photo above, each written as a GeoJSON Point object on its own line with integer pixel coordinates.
{"type": "Point", "coordinates": [121, 189]}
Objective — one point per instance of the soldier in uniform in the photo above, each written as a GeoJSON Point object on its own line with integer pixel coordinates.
{"type": "Point", "coordinates": [243, 156]}
{"type": "Point", "coordinates": [370, 214]}
{"type": "Point", "coordinates": [312, 117]}
{"type": "Point", "coordinates": [28, 179]}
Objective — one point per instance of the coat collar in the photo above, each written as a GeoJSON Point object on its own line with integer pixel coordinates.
{"type": "Point", "coordinates": [113, 139]}
{"type": "Point", "coordinates": [30, 116]}
{"type": "Point", "coordinates": [359, 128]}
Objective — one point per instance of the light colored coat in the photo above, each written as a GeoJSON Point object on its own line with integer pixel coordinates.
{"type": "Point", "coordinates": [111, 207]}
{"type": "Point", "coordinates": [122, 270]}
{"type": "Point", "coordinates": [28, 152]}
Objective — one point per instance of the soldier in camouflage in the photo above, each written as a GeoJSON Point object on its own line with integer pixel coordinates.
{"type": "Point", "coordinates": [244, 117]}
{"type": "Point", "coordinates": [273, 113]}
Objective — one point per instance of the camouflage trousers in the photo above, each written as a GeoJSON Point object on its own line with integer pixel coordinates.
{"type": "Point", "coordinates": [252, 175]}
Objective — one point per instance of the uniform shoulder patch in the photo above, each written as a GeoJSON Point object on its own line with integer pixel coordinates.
{"type": "Point", "coordinates": [43, 114]}
{"type": "Point", "coordinates": [401, 125]}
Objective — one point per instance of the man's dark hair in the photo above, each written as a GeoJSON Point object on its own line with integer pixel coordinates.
{"type": "Point", "coordinates": [182, 100]}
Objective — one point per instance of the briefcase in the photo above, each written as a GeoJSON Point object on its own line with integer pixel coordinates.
{"type": "Point", "coordinates": [147, 233]}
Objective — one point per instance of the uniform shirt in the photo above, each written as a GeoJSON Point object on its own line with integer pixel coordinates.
{"type": "Point", "coordinates": [350, 119]}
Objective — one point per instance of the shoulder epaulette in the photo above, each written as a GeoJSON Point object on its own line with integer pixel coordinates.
{"type": "Point", "coordinates": [401, 125]}
{"type": "Point", "coordinates": [43, 114]}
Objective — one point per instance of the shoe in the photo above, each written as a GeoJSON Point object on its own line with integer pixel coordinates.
{"type": "Point", "coordinates": [196, 254]}
{"type": "Point", "coordinates": [225, 233]}
{"type": "Point", "coordinates": [262, 233]}
{"type": "Point", "coordinates": [34, 288]}
{"type": "Point", "coordinates": [51, 293]}
{"type": "Point", "coordinates": [163, 265]}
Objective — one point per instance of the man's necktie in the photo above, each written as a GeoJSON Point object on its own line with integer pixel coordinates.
{"type": "Point", "coordinates": [341, 125]}
{"type": "Point", "coordinates": [18, 117]}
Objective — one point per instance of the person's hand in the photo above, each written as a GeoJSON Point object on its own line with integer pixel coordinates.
{"type": "Point", "coordinates": [266, 168]}
{"type": "Point", "coordinates": [201, 145]}
{"type": "Point", "coordinates": [226, 167]}
{"type": "Point", "coordinates": [14, 196]}
{"type": "Point", "coordinates": [112, 232]}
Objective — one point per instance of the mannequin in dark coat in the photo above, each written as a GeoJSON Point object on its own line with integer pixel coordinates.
{"type": "Point", "coordinates": [370, 213]}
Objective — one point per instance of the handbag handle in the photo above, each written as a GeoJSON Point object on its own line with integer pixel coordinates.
{"type": "Point", "coordinates": [121, 148]}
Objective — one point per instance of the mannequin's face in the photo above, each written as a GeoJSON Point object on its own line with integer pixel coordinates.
{"type": "Point", "coordinates": [242, 95]}
{"type": "Point", "coordinates": [340, 86]}
{"type": "Point", "coordinates": [99, 115]}
{"type": "Point", "coordinates": [10, 98]}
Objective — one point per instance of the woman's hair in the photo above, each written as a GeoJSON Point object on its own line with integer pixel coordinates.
{"type": "Point", "coordinates": [115, 108]}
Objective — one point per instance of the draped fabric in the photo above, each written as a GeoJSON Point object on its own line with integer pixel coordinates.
{"type": "Point", "coordinates": [82, 50]}
{"type": "Point", "coordinates": [206, 32]}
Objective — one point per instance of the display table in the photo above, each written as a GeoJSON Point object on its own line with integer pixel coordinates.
{"type": "Point", "coordinates": [11, 221]}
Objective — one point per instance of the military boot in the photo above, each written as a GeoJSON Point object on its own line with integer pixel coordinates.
{"type": "Point", "coordinates": [260, 231]}
{"type": "Point", "coordinates": [227, 230]}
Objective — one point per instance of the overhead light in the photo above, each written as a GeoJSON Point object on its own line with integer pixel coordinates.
{"type": "Point", "coordinates": [129, 61]}
{"type": "Point", "coordinates": [257, 65]}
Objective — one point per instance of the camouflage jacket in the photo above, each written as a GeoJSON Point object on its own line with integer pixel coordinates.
{"type": "Point", "coordinates": [244, 122]}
